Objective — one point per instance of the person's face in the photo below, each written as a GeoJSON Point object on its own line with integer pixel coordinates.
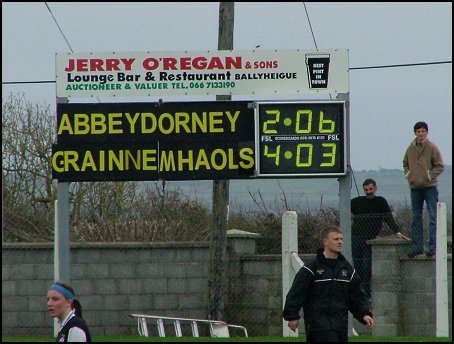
{"type": "Point", "coordinates": [57, 305]}
{"type": "Point", "coordinates": [421, 134]}
{"type": "Point", "coordinates": [369, 190]}
{"type": "Point", "coordinates": [333, 242]}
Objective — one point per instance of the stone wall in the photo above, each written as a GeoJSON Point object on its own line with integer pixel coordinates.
{"type": "Point", "coordinates": [115, 280]}
{"type": "Point", "coordinates": [404, 290]}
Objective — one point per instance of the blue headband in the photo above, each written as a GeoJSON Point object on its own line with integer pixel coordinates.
{"type": "Point", "coordinates": [62, 290]}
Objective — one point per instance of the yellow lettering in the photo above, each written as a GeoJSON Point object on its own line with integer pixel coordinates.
{"type": "Point", "coordinates": [149, 157]}
{"type": "Point", "coordinates": [135, 160]}
{"type": "Point", "coordinates": [151, 116]}
{"type": "Point", "coordinates": [232, 120]}
{"type": "Point", "coordinates": [118, 161]}
{"type": "Point", "coordinates": [132, 121]}
{"type": "Point", "coordinates": [223, 156]}
{"type": "Point", "coordinates": [88, 162]}
{"type": "Point", "coordinates": [215, 121]}
{"type": "Point", "coordinates": [171, 124]}
{"type": "Point", "coordinates": [65, 125]}
{"type": "Point", "coordinates": [167, 161]}
{"type": "Point", "coordinates": [102, 160]}
{"type": "Point", "coordinates": [202, 123]}
{"type": "Point", "coordinates": [189, 160]}
{"type": "Point", "coordinates": [58, 162]}
{"type": "Point", "coordinates": [113, 122]}
{"type": "Point", "coordinates": [182, 120]}
{"type": "Point", "coordinates": [71, 158]}
{"type": "Point", "coordinates": [98, 123]}
{"type": "Point", "coordinates": [147, 123]}
{"type": "Point", "coordinates": [247, 157]}
{"type": "Point", "coordinates": [202, 160]}
{"type": "Point", "coordinates": [232, 165]}
{"type": "Point", "coordinates": [81, 125]}
{"type": "Point", "coordinates": [152, 160]}
{"type": "Point", "coordinates": [61, 161]}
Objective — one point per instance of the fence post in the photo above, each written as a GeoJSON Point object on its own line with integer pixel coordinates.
{"type": "Point", "coordinates": [441, 275]}
{"type": "Point", "coordinates": [289, 245]}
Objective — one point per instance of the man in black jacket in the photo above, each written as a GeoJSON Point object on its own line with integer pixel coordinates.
{"type": "Point", "coordinates": [327, 288]}
{"type": "Point", "coordinates": [369, 212]}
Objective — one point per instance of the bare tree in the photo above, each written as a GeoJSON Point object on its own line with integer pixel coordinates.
{"type": "Point", "coordinates": [99, 211]}
{"type": "Point", "coordinates": [28, 192]}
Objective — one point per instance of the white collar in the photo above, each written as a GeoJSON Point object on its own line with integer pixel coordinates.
{"type": "Point", "coordinates": [69, 316]}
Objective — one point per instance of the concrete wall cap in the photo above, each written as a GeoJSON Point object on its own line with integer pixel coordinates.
{"type": "Point", "coordinates": [237, 233]}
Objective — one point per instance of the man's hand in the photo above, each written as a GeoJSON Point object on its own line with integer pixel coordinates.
{"type": "Point", "coordinates": [293, 325]}
{"type": "Point", "coordinates": [401, 236]}
{"type": "Point", "coordinates": [369, 320]}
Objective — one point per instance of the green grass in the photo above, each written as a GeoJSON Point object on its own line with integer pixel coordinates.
{"type": "Point", "coordinates": [233, 339]}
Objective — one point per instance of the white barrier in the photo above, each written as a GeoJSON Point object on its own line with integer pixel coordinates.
{"type": "Point", "coordinates": [441, 273]}
{"type": "Point", "coordinates": [218, 329]}
{"type": "Point", "coordinates": [291, 263]}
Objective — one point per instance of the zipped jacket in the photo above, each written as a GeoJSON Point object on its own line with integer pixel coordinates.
{"type": "Point", "coordinates": [74, 321]}
{"type": "Point", "coordinates": [326, 289]}
{"type": "Point", "coordinates": [422, 164]}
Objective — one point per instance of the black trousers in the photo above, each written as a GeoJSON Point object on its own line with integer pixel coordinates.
{"type": "Point", "coordinates": [362, 261]}
{"type": "Point", "coordinates": [327, 336]}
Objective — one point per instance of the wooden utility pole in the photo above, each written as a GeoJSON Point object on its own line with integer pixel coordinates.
{"type": "Point", "coordinates": [216, 274]}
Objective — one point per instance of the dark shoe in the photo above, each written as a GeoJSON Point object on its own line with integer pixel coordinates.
{"type": "Point", "coordinates": [430, 254]}
{"type": "Point", "coordinates": [413, 254]}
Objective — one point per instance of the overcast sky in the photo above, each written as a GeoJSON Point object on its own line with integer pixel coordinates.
{"type": "Point", "coordinates": [385, 102]}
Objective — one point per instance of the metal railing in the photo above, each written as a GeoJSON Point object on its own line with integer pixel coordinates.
{"type": "Point", "coordinates": [219, 329]}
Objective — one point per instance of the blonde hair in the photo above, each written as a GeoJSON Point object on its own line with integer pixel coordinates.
{"type": "Point", "coordinates": [325, 231]}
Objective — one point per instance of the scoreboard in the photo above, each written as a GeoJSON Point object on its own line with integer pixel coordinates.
{"type": "Point", "coordinates": [300, 138]}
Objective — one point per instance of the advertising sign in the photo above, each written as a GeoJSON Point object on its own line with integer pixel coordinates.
{"type": "Point", "coordinates": [174, 73]}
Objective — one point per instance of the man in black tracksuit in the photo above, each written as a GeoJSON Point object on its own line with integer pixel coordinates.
{"type": "Point", "coordinates": [327, 288]}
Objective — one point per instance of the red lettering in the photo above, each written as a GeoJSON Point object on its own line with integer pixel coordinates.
{"type": "Point", "coordinates": [169, 63]}
{"type": "Point", "coordinates": [200, 62]}
{"type": "Point", "coordinates": [150, 63]}
{"type": "Point", "coordinates": [82, 65]}
{"type": "Point", "coordinates": [233, 62]}
{"type": "Point", "coordinates": [70, 67]}
{"type": "Point", "coordinates": [112, 64]}
{"type": "Point", "coordinates": [216, 63]}
{"type": "Point", "coordinates": [93, 65]}
{"type": "Point", "coordinates": [185, 63]}
{"type": "Point", "coordinates": [128, 63]}
{"type": "Point", "coordinates": [96, 64]}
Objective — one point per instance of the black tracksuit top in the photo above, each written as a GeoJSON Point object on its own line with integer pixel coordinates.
{"type": "Point", "coordinates": [326, 289]}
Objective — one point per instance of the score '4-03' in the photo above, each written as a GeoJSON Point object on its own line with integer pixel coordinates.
{"type": "Point", "coordinates": [302, 155]}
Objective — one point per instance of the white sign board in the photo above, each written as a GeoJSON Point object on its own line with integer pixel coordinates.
{"type": "Point", "coordinates": [180, 73]}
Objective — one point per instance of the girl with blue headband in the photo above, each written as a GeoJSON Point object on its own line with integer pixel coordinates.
{"type": "Point", "coordinates": [61, 304]}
